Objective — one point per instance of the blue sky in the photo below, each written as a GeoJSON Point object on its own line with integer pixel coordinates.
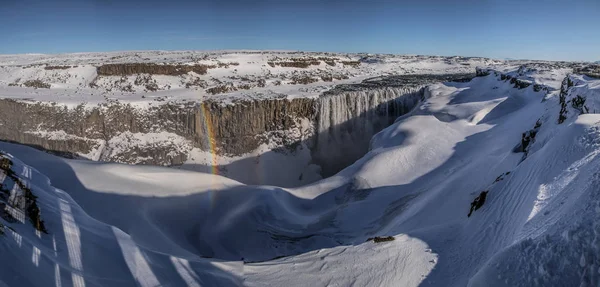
{"type": "Point", "coordinates": [549, 29]}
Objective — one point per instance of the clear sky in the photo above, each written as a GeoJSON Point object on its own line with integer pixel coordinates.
{"type": "Point", "coordinates": [543, 29]}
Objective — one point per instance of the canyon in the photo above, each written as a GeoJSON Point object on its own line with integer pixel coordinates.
{"type": "Point", "coordinates": [293, 117]}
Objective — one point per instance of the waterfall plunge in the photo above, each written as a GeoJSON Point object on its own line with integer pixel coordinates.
{"type": "Point", "coordinates": [347, 121]}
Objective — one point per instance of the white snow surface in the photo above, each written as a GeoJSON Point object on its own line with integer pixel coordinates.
{"type": "Point", "coordinates": [120, 225]}
{"type": "Point", "coordinates": [73, 78]}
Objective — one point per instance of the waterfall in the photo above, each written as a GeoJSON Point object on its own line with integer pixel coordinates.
{"type": "Point", "coordinates": [347, 121]}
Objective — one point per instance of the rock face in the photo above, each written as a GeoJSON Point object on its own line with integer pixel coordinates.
{"type": "Point", "coordinates": [592, 70]}
{"type": "Point", "coordinates": [231, 129]}
{"type": "Point", "coordinates": [149, 68]}
{"type": "Point", "coordinates": [240, 128]}
{"type": "Point", "coordinates": [336, 126]}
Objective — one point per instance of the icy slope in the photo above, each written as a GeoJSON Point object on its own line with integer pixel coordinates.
{"type": "Point", "coordinates": [78, 250]}
{"type": "Point", "coordinates": [558, 242]}
{"type": "Point", "coordinates": [537, 226]}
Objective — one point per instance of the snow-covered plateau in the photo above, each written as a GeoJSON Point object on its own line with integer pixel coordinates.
{"type": "Point", "coordinates": [412, 171]}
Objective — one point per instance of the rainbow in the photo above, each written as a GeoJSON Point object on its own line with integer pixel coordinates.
{"type": "Point", "coordinates": [209, 133]}
{"type": "Point", "coordinates": [210, 138]}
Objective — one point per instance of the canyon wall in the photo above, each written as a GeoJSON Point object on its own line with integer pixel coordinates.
{"type": "Point", "coordinates": [336, 126]}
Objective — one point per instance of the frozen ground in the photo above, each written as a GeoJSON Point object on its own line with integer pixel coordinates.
{"type": "Point", "coordinates": [73, 78]}
{"type": "Point", "coordinates": [120, 225]}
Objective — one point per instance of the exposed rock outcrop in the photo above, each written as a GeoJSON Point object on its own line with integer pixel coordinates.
{"type": "Point", "coordinates": [592, 70]}
{"type": "Point", "coordinates": [233, 129]}
{"type": "Point", "coordinates": [149, 68]}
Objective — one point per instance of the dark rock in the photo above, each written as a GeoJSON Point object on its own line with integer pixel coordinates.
{"type": "Point", "coordinates": [149, 68]}
{"type": "Point", "coordinates": [379, 239]}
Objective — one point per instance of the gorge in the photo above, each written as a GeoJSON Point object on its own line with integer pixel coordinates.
{"type": "Point", "coordinates": [288, 139]}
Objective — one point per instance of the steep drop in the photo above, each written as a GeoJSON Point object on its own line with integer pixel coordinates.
{"type": "Point", "coordinates": [290, 141]}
